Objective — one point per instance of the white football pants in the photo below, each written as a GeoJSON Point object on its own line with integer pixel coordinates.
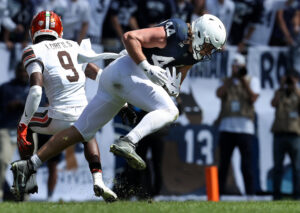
{"type": "Point", "coordinates": [42, 124]}
{"type": "Point", "coordinates": [123, 81]}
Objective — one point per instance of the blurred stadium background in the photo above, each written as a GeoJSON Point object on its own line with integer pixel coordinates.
{"type": "Point", "coordinates": [265, 31]}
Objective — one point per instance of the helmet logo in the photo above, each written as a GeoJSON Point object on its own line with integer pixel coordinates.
{"type": "Point", "coordinates": [41, 23]}
{"type": "Point", "coordinates": [52, 25]}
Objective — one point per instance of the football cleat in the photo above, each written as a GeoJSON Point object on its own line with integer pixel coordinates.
{"type": "Point", "coordinates": [22, 170]}
{"type": "Point", "coordinates": [126, 149]}
{"type": "Point", "coordinates": [31, 186]}
{"type": "Point", "coordinates": [101, 190]}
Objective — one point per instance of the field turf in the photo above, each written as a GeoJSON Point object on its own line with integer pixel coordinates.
{"type": "Point", "coordinates": [133, 207]}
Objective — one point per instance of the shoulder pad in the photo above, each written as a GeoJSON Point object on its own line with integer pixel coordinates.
{"type": "Point", "coordinates": [177, 27]}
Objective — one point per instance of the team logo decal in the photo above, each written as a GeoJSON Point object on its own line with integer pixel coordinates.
{"type": "Point", "coordinates": [52, 23]}
{"type": "Point", "coordinates": [41, 23]}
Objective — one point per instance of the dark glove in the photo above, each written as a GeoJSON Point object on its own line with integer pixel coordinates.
{"type": "Point", "coordinates": [128, 115]}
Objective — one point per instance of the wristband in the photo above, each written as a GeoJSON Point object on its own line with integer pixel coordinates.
{"type": "Point", "coordinates": [144, 65]}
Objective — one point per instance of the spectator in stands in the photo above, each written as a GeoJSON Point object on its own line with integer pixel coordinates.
{"type": "Point", "coordinates": [267, 22]}
{"type": "Point", "coordinates": [236, 121]}
{"type": "Point", "coordinates": [6, 21]}
{"type": "Point", "coordinates": [288, 24]}
{"type": "Point", "coordinates": [76, 20]}
{"type": "Point", "coordinates": [199, 8]}
{"type": "Point", "coordinates": [98, 11]}
{"type": "Point", "coordinates": [122, 16]}
{"type": "Point", "coordinates": [246, 15]}
{"type": "Point", "coordinates": [184, 10]}
{"type": "Point", "coordinates": [286, 31]}
{"type": "Point", "coordinates": [223, 9]}
{"type": "Point", "coordinates": [21, 12]}
{"type": "Point", "coordinates": [153, 12]}
{"type": "Point", "coordinates": [286, 130]}
{"type": "Point", "coordinates": [12, 101]}
{"type": "Point", "coordinates": [58, 6]}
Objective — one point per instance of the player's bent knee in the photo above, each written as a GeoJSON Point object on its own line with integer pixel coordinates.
{"type": "Point", "coordinates": [174, 112]}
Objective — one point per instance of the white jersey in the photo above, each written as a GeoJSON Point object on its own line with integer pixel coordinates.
{"type": "Point", "coordinates": [63, 77]}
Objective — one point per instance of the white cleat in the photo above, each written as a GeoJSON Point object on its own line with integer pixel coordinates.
{"type": "Point", "coordinates": [101, 190]}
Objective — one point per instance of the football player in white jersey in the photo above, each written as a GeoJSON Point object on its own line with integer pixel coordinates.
{"type": "Point", "coordinates": [51, 62]}
{"type": "Point", "coordinates": [141, 79]}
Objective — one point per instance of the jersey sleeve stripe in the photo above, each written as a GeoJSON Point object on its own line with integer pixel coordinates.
{"type": "Point", "coordinates": [41, 120]}
{"type": "Point", "coordinates": [40, 114]}
{"type": "Point", "coordinates": [27, 50]}
{"type": "Point", "coordinates": [27, 55]}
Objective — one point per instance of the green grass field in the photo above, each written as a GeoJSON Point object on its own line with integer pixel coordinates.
{"type": "Point", "coordinates": [133, 207]}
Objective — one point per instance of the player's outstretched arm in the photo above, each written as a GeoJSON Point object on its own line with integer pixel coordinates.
{"type": "Point", "coordinates": [32, 103]}
{"type": "Point", "coordinates": [93, 72]}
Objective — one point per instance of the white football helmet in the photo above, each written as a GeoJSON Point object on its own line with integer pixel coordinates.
{"type": "Point", "coordinates": [207, 29]}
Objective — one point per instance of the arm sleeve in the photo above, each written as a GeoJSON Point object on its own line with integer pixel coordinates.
{"type": "Point", "coordinates": [32, 103]}
{"type": "Point", "coordinates": [34, 96]}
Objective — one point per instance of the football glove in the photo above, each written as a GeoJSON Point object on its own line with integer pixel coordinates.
{"type": "Point", "coordinates": [25, 147]}
{"type": "Point", "coordinates": [155, 73]}
{"type": "Point", "coordinates": [173, 83]}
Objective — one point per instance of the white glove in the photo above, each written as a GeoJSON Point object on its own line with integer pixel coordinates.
{"type": "Point", "coordinates": [156, 74]}
{"type": "Point", "coordinates": [173, 84]}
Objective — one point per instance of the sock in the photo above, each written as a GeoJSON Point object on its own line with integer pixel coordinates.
{"type": "Point", "coordinates": [97, 178]}
{"type": "Point", "coordinates": [95, 167]}
{"type": "Point", "coordinates": [152, 122]}
{"type": "Point", "coordinates": [36, 161]}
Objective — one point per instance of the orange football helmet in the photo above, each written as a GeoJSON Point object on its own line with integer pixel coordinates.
{"type": "Point", "coordinates": [46, 23]}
